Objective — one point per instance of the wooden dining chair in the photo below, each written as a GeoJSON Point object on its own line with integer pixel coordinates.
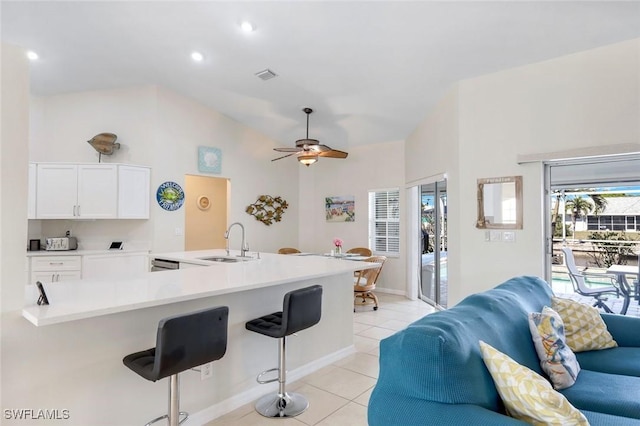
{"type": "Point", "coordinates": [362, 251]}
{"type": "Point", "coordinates": [288, 250]}
{"type": "Point", "coordinates": [365, 282]}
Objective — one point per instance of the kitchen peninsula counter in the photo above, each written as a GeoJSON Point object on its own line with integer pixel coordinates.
{"type": "Point", "coordinates": [80, 299]}
{"type": "Point", "coordinates": [90, 325]}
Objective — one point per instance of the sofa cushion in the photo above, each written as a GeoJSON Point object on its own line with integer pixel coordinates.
{"type": "Point", "coordinates": [556, 359]}
{"type": "Point", "coordinates": [601, 419]}
{"type": "Point", "coordinates": [526, 395]}
{"type": "Point", "coordinates": [437, 358]}
{"type": "Point", "coordinates": [620, 360]}
{"type": "Point", "coordinates": [605, 393]}
{"type": "Point", "coordinates": [584, 328]}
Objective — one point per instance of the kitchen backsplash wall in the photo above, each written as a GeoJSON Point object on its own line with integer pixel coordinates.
{"type": "Point", "coordinates": [95, 235]}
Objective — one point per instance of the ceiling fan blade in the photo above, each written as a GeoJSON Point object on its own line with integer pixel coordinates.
{"type": "Point", "coordinates": [319, 148]}
{"type": "Point", "coordinates": [287, 149]}
{"type": "Point", "coordinates": [284, 156]}
{"type": "Point", "coordinates": [334, 153]}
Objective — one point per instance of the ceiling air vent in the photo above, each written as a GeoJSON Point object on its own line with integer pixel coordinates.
{"type": "Point", "coordinates": [266, 74]}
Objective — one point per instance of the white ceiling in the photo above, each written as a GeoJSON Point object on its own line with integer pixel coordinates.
{"type": "Point", "coordinates": [370, 69]}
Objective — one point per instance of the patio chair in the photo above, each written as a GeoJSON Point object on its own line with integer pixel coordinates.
{"type": "Point", "coordinates": [579, 282]}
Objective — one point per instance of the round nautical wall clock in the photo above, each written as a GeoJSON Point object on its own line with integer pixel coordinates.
{"type": "Point", "coordinates": [170, 196]}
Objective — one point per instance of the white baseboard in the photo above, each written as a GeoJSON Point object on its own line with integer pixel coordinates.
{"type": "Point", "coordinates": [228, 405]}
{"type": "Point", "coordinates": [391, 291]}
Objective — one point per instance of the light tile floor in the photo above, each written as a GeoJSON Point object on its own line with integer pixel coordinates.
{"type": "Point", "coordinates": [339, 393]}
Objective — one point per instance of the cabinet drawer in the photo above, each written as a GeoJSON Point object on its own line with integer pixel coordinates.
{"type": "Point", "coordinates": [56, 263]}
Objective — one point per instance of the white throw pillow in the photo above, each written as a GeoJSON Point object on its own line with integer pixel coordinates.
{"type": "Point", "coordinates": [556, 358]}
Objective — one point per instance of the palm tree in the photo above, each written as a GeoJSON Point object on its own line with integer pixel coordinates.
{"type": "Point", "coordinates": [600, 203]}
{"type": "Point", "coordinates": [578, 207]}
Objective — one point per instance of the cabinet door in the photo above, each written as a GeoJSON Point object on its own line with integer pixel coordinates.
{"type": "Point", "coordinates": [133, 192]}
{"type": "Point", "coordinates": [97, 191]}
{"type": "Point", "coordinates": [54, 276]}
{"type": "Point", "coordinates": [31, 202]}
{"type": "Point", "coordinates": [56, 191]}
{"type": "Point", "coordinates": [114, 266]}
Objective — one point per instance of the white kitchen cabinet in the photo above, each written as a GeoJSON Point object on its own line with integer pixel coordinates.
{"type": "Point", "coordinates": [133, 192]}
{"type": "Point", "coordinates": [31, 195]}
{"type": "Point", "coordinates": [50, 269]}
{"type": "Point", "coordinates": [115, 266]}
{"type": "Point", "coordinates": [71, 191]}
{"type": "Point", "coordinates": [89, 191]}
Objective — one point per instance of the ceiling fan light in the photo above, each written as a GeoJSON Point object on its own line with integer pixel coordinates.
{"type": "Point", "coordinates": [307, 159]}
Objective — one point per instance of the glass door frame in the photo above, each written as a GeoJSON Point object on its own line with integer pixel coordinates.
{"type": "Point", "coordinates": [414, 264]}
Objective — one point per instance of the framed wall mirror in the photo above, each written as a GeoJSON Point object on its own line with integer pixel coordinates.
{"type": "Point", "coordinates": [500, 203]}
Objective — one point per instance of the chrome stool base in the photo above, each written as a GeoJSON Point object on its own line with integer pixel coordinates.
{"type": "Point", "coordinates": [166, 416]}
{"type": "Point", "coordinates": [289, 404]}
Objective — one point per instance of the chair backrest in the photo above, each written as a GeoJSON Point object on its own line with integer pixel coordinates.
{"type": "Point", "coordinates": [188, 340]}
{"type": "Point", "coordinates": [370, 275]}
{"type": "Point", "coordinates": [301, 309]}
{"type": "Point", "coordinates": [362, 251]}
{"type": "Point", "coordinates": [288, 250]}
{"type": "Point", "coordinates": [574, 275]}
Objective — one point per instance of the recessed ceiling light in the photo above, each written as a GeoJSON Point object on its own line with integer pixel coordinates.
{"type": "Point", "coordinates": [197, 56]}
{"type": "Point", "coordinates": [32, 55]}
{"type": "Point", "coordinates": [247, 27]}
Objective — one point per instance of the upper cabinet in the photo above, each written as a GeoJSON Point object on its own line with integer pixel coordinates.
{"type": "Point", "coordinates": [91, 191]}
{"type": "Point", "coordinates": [133, 192]}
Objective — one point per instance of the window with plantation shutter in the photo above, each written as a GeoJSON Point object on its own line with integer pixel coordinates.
{"type": "Point", "coordinates": [384, 221]}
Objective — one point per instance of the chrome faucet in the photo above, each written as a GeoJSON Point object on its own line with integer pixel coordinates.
{"type": "Point", "coordinates": [245, 247]}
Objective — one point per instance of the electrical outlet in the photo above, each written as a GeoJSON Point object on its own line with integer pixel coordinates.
{"type": "Point", "coordinates": [206, 371]}
{"type": "Point", "coordinates": [178, 232]}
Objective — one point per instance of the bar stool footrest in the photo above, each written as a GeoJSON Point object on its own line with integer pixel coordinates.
{"type": "Point", "coordinates": [271, 370]}
{"type": "Point", "coordinates": [166, 416]}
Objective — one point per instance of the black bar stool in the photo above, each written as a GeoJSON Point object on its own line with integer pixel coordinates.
{"type": "Point", "coordinates": [301, 309]}
{"type": "Point", "coordinates": [182, 342]}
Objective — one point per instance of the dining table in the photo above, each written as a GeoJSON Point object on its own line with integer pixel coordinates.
{"type": "Point", "coordinates": [622, 272]}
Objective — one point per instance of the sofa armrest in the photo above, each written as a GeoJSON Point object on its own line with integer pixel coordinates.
{"type": "Point", "coordinates": [397, 410]}
{"type": "Point", "coordinates": [623, 329]}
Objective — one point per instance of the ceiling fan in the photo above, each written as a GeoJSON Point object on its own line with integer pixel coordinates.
{"type": "Point", "coordinates": [308, 150]}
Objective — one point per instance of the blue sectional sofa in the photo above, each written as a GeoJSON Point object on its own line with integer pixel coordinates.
{"type": "Point", "coordinates": [432, 372]}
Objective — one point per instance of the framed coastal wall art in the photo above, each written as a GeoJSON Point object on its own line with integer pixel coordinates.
{"type": "Point", "coordinates": [340, 208]}
{"type": "Point", "coordinates": [209, 159]}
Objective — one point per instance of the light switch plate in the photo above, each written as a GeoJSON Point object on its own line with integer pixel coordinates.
{"type": "Point", "coordinates": [496, 236]}
{"type": "Point", "coordinates": [509, 237]}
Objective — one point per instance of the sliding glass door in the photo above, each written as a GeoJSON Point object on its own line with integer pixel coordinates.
{"type": "Point", "coordinates": [433, 246]}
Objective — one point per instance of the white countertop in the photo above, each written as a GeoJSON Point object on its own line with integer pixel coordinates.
{"type": "Point", "coordinates": [75, 300]}
{"type": "Point", "coordinates": [82, 252]}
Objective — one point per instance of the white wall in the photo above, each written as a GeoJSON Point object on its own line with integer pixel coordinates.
{"type": "Point", "coordinates": [369, 167]}
{"type": "Point", "coordinates": [13, 176]}
{"type": "Point", "coordinates": [161, 129]}
{"type": "Point", "coordinates": [584, 100]}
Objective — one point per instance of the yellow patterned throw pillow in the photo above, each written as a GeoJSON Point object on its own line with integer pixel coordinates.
{"type": "Point", "coordinates": [583, 326]}
{"type": "Point", "coordinates": [527, 396]}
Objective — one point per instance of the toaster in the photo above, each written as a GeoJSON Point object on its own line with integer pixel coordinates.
{"type": "Point", "coordinates": [61, 243]}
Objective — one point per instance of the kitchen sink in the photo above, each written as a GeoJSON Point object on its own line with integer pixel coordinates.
{"type": "Point", "coordinates": [226, 259]}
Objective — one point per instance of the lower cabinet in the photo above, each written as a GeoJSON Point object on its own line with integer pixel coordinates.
{"type": "Point", "coordinates": [51, 269]}
{"type": "Point", "coordinates": [114, 266]}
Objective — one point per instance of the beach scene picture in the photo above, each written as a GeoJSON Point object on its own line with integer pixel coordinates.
{"type": "Point", "coordinates": [340, 208]}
